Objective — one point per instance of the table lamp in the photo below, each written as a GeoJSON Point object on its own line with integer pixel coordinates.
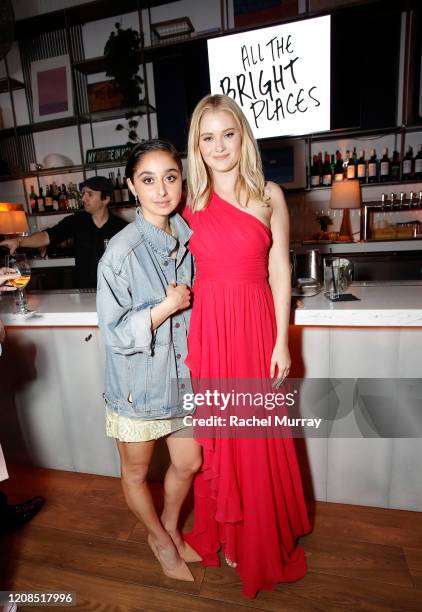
{"type": "Point", "coordinates": [13, 221]}
{"type": "Point", "coordinates": [345, 195]}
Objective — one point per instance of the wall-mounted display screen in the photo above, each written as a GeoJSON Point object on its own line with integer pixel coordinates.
{"type": "Point", "coordinates": [279, 76]}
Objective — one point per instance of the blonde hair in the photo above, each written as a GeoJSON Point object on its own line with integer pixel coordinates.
{"type": "Point", "coordinates": [250, 180]}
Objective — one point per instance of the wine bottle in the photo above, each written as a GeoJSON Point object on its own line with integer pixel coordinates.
{"type": "Point", "coordinates": [338, 170]}
{"type": "Point", "coordinates": [351, 168]}
{"type": "Point", "coordinates": [71, 201]}
{"type": "Point", "coordinates": [395, 167]}
{"type": "Point", "coordinates": [56, 197]}
{"type": "Point", "coordinates": [327, 177]}
{"type": "Point", "coordinates": [63, 203]}
{"type": "Point", "coordinates": [117, 191]}
{"type": "Point", "coordinates": [418, 164]}
{"type": "Point", "coordinates": [40, 201]}
{"type": "Point", "coordinates": [33, 200]}
{"type": "Point", "coordinates": [48, 201]}
{"type": "Point", "coordinates": [385, 166]}
{"type": "Point", "coordinates": [361, 167]}
{"type": "Point", "coordinates": [113, 181]}
{"type": "Point", "coordinates": [346, 163]}
{"type": "Point", "coordinates": [373, 167]}
{"type": "Point", "coordinates": [315, 172]}
{"type": "Point", "coordinates": [408, 165]}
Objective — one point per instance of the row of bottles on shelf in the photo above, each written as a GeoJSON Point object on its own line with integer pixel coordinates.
{"type": "Point", "coordinates": [54, 198]}
{"type": "Point", "coordinates": [372, 170]}
{"type": "Point", "coordinates": [121, 192]}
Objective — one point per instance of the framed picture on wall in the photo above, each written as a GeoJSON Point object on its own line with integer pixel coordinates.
{"type": "Point", "coordinates": [52, 88]}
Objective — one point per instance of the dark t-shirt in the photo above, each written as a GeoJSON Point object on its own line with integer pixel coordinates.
{"type": "Point", "coordinates": [88, 242]}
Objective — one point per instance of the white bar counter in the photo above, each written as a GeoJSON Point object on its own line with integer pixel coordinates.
{"type": "Point", "coordinates": [380, 304]}
{"type": "Point", "coordinates": [383, 304]}
{"type": "Point", "coordinates": [52, 371]}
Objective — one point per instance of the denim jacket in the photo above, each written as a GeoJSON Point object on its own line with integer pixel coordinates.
{"type": "Point", "coordinates": [146, 375]}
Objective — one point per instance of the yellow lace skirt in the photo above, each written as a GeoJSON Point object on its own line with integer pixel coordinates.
{"type": "Point", "coordinates": [126, 429]}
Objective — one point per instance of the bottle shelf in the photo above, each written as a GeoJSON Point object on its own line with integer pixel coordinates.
{"type": "Point", "coordinates": [54, 124]}
{"type": "Point", "coordinates": [51, 213]}
{"type": "Point", "coordinates": [94, 65]}
{"type": "Point", "coordinates": [63, 170]}
{"type": "Point", "coordinates": [386, 184]}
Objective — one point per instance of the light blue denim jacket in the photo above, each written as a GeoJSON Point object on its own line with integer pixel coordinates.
{"type": "Point", "coordinates": [146, 375]}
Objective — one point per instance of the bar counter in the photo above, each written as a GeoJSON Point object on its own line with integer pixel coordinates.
{"type": "Point", "coordinates": [381, 304]}
{"type": "Point", "coordinates": [51, 383]}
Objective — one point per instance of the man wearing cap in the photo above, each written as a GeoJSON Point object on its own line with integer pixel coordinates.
{"type": "Point", "coordinates": [88, 229]}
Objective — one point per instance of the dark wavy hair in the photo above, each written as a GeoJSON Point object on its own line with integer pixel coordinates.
{"type": "Point", "coordinates": [149, 146]}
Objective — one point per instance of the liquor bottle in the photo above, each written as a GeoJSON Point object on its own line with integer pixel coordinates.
{"type": "Point", "coordinates": [351, 168]}
{"type": "Point", "coordinates": [71, 201]}
{"type": "Point", "coordinates": [373, 167]}
{"type": "Point", "coordinates": [332, 164]}
{"type": "Point", "coordinates": [48, 202]}
{"type": "Point", "coordinates": [33, 200]}
{"type": "Point", "coordinates": [63, 205]}
{"type": "Point", "coordinates": [338, 170]}
{"type": "Point", "coordinates": [56, 203]}
{"type": "Point", "coordinates": [327, 177]}
{"type": "Point", "coordinates": [40, 201]}
{"type": "Point", "coordinates": [418, 164]}
{"type": "Point", "coordinates": [117, 191]}
{"type": "Point", "coordinates": [408, 165]}
{"type": "Point", "coordinates": [361, 167]}
{"type": "Point", "coordinates": [315, 172]}
{"type": "Point", "coordinates": [320, 164]}
{"type": "Point", "coordinates": [385, 167]}
{"type": "Point", "coordinates": [346, 162]}
{"type": "Point", "coordinates": [125, 191]}
{"type": "Point", "coordinates": [395, 167]}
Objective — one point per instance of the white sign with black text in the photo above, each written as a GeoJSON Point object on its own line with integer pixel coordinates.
{"type": "Point", "coordinates": [279, 76]}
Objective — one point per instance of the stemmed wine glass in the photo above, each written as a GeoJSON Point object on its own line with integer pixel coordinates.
{"type": "Point", "coordinates": [20, 264]}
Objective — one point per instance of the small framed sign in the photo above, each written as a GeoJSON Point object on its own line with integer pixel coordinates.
{"type": "Point", "coordinates": [108, 154]}
{"type": "Point", "coordinates": [104, 95]}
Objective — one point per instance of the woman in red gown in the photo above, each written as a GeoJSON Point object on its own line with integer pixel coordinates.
{"type": "Point", "coordinates": [248, 496]}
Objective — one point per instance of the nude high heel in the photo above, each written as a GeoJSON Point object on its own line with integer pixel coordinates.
{"type": "Point", "coordinates": [180, 572]}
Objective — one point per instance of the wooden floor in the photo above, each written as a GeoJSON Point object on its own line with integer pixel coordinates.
{"type": "Point", "coordinates": [86, 540]}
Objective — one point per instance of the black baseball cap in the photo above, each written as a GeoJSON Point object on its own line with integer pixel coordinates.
{"type": "Point", "coordinates": [98, 183]}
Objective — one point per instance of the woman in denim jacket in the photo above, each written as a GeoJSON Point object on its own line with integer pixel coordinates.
{"type": "Point", "coordinates": [143, 304]}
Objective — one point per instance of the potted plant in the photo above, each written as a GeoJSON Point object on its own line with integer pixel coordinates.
{"type": "Point", "coordinates": [122, 63]}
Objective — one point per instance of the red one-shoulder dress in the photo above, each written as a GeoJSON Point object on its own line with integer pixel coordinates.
{"type": "Point", "coordinates": [249, 499]}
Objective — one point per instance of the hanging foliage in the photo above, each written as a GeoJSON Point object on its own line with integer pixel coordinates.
{"type": "Point", "coordinates": [122, 63]}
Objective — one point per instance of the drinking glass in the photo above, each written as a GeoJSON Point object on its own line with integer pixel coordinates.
{"type": "Point", "coordinates": [20, 264]}
{"type": "Point", "coordinates": [332, 274]}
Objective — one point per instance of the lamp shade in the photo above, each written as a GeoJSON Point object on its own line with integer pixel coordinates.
{"type": "Point", "coordinates": [345, 194]}
{"type": "Point", "coordinates": [12, 219]}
